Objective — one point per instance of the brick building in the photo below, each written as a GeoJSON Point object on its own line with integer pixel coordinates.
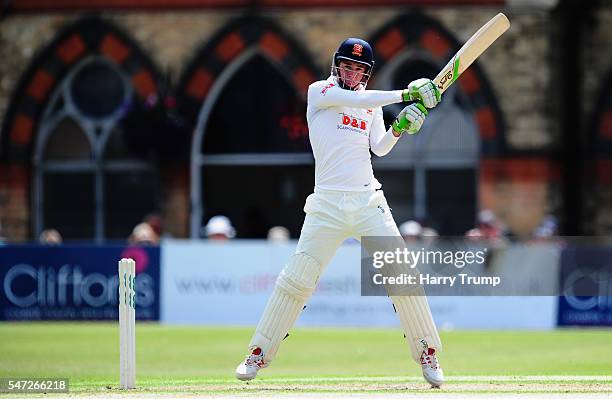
{"type": "Point", "coordinates": [112, 110]}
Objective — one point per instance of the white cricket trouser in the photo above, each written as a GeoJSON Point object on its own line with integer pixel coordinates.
{"type": "Point", "coordinates": [332, 217]}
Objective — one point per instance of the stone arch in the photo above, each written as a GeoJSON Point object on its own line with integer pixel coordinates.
{"type": "Point", "coordinates": [444, 161]}
{"type": "Point", "coordinates": [38, 94]}
{"type": "Point", "coordinates": [237, 37]}
{"type": "Point", "coordinates": [89, 36]}
{"type": "Point", "coordinates": [213, 66]}
{"type": "Point", "coordinates": [417, 31]}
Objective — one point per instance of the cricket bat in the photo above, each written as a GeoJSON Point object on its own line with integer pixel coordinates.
{"type": "Point", "coordinates": [467, 54]}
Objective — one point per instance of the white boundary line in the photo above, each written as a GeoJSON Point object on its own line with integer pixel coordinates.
{"type": "Point", "coordinates": [469, 378]}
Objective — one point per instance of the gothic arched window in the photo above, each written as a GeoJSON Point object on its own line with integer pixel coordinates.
{"type": "Point", "coordinates": [88, 184]}
{"type": "Point", "coordinates": [251, 157]}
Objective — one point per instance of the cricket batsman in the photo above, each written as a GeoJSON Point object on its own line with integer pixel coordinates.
{"type": "Point", "coordinates": [345, 122]}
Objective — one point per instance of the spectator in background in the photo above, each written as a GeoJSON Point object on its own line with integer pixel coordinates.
{"type": "Point", "coordinates": [156, 223]}
{"type": "Point", "coordinates": [278, 234]}
{"type": "Point", "coordinates": [50, 237]}
{"type": "Point", "coordinates": [219, 228]}
{"type": "Point", "coordinates": [547, 229]}
{"type": "Point", "coordinates": [429, 235]}
{"type": "Point", "coordinates": [143, 234]}
{"type": "Point", "coordinates": [474, 234]}
{"type": "Point", "coordinates": [411, 230]}
{"type": "Point", "coordinates": [489, 230]}
{"type": "Point", "coordinates": [487, 227]}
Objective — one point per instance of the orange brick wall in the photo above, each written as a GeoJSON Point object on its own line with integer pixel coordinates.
{"type": "Point", "coordinates": [14, 202]}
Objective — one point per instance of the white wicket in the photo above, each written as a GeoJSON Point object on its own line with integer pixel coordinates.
{"type": "Point", "coordinates": [127, 323]}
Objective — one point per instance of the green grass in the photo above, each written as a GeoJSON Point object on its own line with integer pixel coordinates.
{"type": "Point", "coordinates": [88, 354]}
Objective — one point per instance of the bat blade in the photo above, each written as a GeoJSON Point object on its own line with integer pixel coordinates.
{"type": "Point", "coordinates": [472, 49]}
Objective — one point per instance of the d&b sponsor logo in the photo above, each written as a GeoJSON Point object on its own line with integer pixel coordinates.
{"type": "Point", "coordinates": [349, 120]}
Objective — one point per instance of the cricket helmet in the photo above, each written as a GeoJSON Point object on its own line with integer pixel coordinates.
{"type": "Point", "coordinates": [356, 50]}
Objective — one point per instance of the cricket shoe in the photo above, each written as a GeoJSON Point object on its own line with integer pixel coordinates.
{"type": "Point", "coordinates": [432, 372]}
{"type": "Point", "coordinates": [248, 369]}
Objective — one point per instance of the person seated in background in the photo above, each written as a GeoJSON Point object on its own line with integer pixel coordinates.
{"type": "Point", "coordinates": [143, 234]}
{"type": "Point", "coordinates": [547, 230]}
{"type": "Point", "coordinates": [156, 223]}
{"type": "Point", "coordinates": [487, 228]}
{"type": "Point", "coordinates": [50, 237]}
{"type": "Point", "coordinates": [278, 234]}
{"type": "Point", "coordinates": [429, 235]}
{"type": "Point", "coordinates": [411, 231]}
{"type": "Point", "coordinates": [219, 228]}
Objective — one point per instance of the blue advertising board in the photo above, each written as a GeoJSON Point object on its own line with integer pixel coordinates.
{"type": "Point", "coordinates": [77, 282]}
{"type": "Point", "coordinates": [586, 284]}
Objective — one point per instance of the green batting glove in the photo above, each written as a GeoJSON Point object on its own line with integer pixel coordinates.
{"type": "Point", "coordinates": [423, 90]}
{"type": "Point", "coordinates": [410, 119]}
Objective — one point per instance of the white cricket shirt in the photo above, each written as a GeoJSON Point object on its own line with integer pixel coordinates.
{"type": "Point", "coordinates": [343, 126]}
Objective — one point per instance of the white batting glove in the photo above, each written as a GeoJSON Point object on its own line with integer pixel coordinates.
{"type": "Point", "coordinates": [423, 90]}
{"type": "Point", "coordinates": [410, 119]}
